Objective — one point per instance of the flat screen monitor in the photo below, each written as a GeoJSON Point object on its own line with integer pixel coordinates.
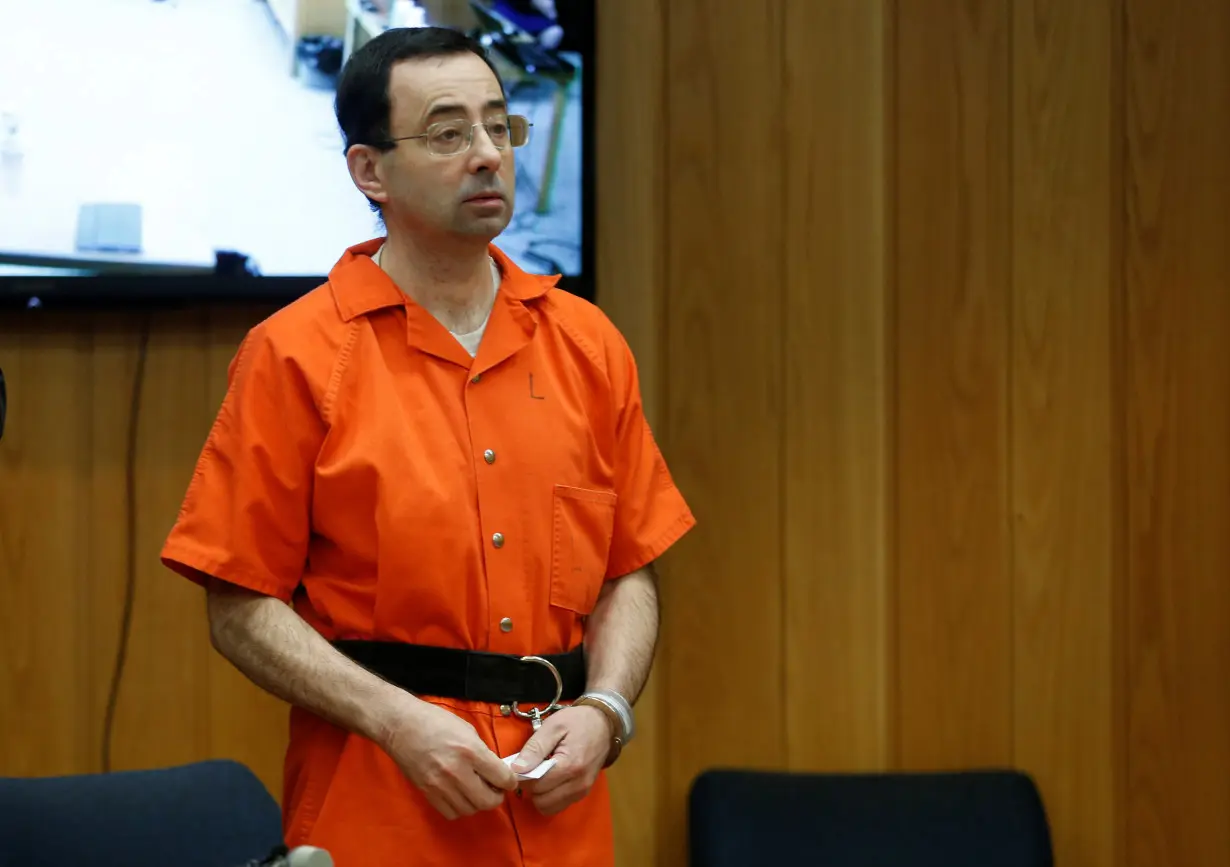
{"type": "Point", "coordinates": [187, 150]}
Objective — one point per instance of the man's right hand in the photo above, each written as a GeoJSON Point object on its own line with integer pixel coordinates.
{"type": "Point", "coordinates": [439, 752]}
{"type": "Point", "coordinates": [445, 758]}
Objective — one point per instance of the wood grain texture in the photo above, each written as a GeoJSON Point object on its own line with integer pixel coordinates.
{"type": "Point", "coordinates": [631, 289]}
{"type": "Point", "coordinates": [44, 546]}
{"type": "Point", "coordinates": [64, 538]}
{"type": "Point", "coordinates": [1178, 304]}
{"type": "Point", "coordinates": [162, 706]}
{"type": "Point", "coordinates": [954, 595]}
{"type": "Point", "coordinates": [944, 377]}
{"type": "Point", "coordinates": [1065, 421]}
{"type": "Point", "coordinates": [110, 348]}
{"type": "Point", "coordinates": [723, 602]}
{"type": "Point", "coordinates": [838, 387]}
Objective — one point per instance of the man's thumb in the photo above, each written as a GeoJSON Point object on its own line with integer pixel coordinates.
{"type": "Point", "coordinates": [535, 752]}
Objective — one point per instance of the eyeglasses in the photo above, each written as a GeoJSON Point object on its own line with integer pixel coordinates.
{"type": "Point", "coordinates": [447, 138]}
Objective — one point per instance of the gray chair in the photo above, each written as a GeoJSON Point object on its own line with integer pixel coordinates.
{"type": "Point", "coordinates": [973, 818]}
{"type": "Point", "coordinates": [206, 814]}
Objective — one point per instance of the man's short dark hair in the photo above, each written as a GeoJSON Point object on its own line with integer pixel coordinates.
{"type": "Point", "coordinates": [362, 101]}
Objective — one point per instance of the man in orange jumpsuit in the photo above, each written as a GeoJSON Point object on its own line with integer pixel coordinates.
{"type": "Point", "coordinates": [427, 512]}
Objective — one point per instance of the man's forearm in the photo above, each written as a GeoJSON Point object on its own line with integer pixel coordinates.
{"type": "Point", "coordinates": [622, 634]}
{"type": "Point", "coordinates": [278, 651]}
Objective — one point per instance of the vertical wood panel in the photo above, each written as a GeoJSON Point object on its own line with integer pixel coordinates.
{"type": "Point", "coordinates": [1064, 416]}
{"type": "Point", "coordinates": [837, 542]}
{"type": "Point", "coordinates": [723, 611]}
{"type": "Point", "coordinates": [164, 705]}
{"type": "Point", "coordinates": [631, 150]}
{"type": "Point", "coordinates": [954, 602]}
{"type": "Point", "coordinates": [44, 546]}
{"type": "Point", "coordinates": [112, 357]}
{"type": "Point", "coordinates": [1178, 280]}
{"type": "Point", "coordinates": [944, 377]}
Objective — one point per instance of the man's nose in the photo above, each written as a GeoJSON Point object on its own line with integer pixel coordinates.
{"type": "Point", "coordinates": [483, 153]}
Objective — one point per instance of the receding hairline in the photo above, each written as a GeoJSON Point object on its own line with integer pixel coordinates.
{"type": "Point", "coordinates": [440, 109]}
{"type": "Point", "coordinates": [448, 104]}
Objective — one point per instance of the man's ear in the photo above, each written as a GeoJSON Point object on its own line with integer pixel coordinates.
{"type": "Point", "coordinates": [366, 165]}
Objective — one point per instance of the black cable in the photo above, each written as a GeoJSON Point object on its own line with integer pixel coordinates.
{"type": "Point", "coordinates": [130, 517]}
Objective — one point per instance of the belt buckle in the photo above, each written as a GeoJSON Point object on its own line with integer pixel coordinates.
{"type": "Point", "coordinates": [535, 715]}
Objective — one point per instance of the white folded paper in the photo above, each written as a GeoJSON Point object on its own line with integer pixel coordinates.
{"type": "Point", "coordinates": [534, 773]}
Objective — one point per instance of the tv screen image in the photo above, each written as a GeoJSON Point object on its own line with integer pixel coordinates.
{"type": "Point", "coordinates": [165, 147]}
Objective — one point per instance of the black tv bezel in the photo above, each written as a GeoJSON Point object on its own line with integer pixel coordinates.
{"type": "Point", "coordinates": [135, 290]}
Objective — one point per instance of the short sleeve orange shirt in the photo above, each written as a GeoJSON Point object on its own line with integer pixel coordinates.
{"type": "Point", "coordinates": [365, 469]}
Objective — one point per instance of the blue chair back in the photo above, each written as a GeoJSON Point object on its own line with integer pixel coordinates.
{"type": "Point", "coordinates": [962, 819]}
{"type": "Point", "coordinates": [206, 814]}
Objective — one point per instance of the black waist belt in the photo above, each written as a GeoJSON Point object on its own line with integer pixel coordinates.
{"type": "Point", "coordinates": [472, 675]}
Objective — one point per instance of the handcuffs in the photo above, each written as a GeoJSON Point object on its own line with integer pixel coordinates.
{"type": "Point", "coordinates": [613, 705]}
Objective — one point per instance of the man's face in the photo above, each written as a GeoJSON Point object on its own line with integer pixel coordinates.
{"type": "Point", "coordinates": [470, 193]}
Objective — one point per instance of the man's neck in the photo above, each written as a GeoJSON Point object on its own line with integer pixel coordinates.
{"type": "Point", "coordinates": [455, 286]}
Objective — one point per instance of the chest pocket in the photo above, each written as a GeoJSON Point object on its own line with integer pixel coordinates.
{"type": "Point", "coordinates": [582, 524]}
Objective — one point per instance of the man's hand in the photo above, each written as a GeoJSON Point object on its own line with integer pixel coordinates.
{"type": "Point", "coordinates": [445, 758]}
{"type": "Point", "coordinates": [579, 739]}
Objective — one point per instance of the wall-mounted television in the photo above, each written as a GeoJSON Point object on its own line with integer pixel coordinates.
{"type": "Point", "coordinates": [172, 151]}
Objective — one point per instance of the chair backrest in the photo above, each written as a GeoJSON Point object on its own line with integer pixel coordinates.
{"type": "Point", "coordinates": [207, 814]}
{"type": "Point", "coordinates": [962, 819]}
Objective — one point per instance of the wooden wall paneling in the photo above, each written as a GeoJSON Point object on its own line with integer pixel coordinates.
{"type": "Point", "coordinates": [1177, 186]}
{"type": "Point", "coordinates": [1065, 500]}
{"type": "Point", "coordinates": [44, 547]}
{"type": "Point", "coordinates": [945, 383]}
{"type": "Point", "coordinates": [723, 600]}
{"type": "Point", "coordinates": [163, 714]}
{"type": "Point", "coordinates": [631, 149]}
{"type": "Point", "coordinates": [838, 386]}
{"type": "Point", "coordinates": [954, 599]}
{"type": "Point", "coordinates": [104, 423]}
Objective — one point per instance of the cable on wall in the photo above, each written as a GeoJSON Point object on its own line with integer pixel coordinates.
{"type": "Point", "coordinates": [130, 547]}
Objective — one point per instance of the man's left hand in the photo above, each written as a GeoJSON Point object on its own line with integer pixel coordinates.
{"type": "Point", "coordinates": [579, 739]}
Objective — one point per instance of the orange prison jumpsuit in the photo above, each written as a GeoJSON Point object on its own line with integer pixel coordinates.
{"type": "Point", "coordinates": [366, 469]}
